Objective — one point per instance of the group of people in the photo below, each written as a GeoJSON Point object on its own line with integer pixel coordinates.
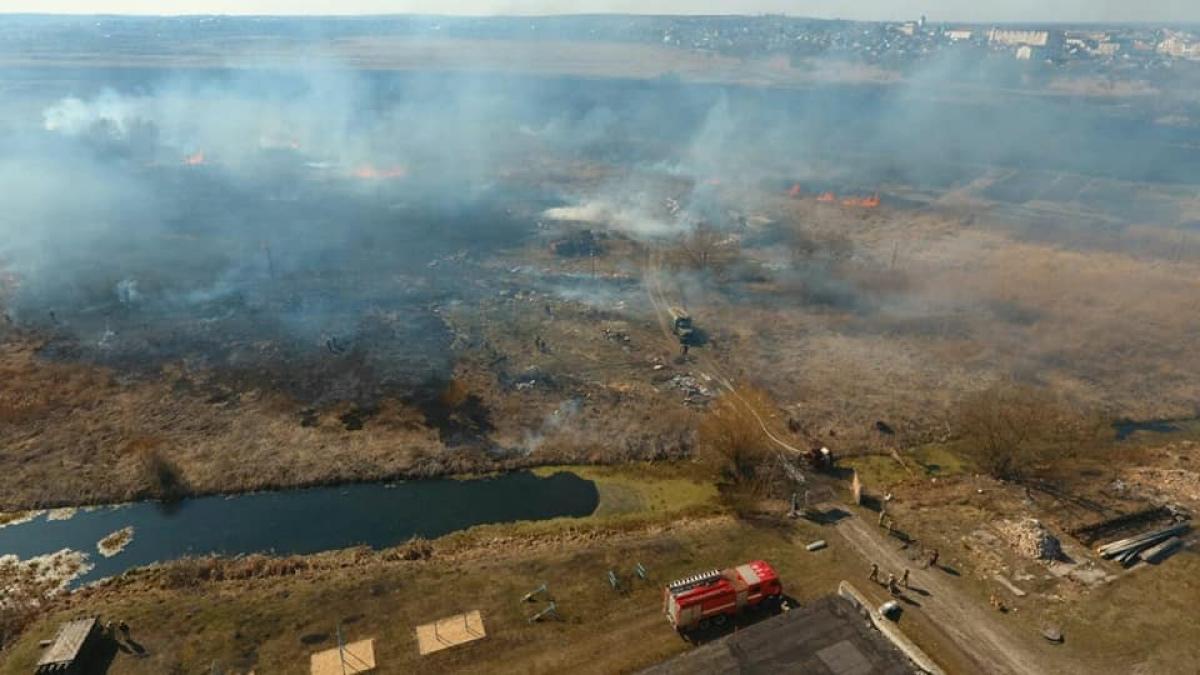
{"type": "Point", "coordinates": [112, 628]}
{"type": "Point", "coordinates": [893, 584]}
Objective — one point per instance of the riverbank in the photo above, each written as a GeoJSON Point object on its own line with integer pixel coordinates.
{"type": "Point", "coordinates": [635, 502]}
{"type": "Point", "coordinates": [301, 522]}
{"type": "Point", "coordinates": [269, 613]}
{"type": "Point", "coordinates": [270, 620]}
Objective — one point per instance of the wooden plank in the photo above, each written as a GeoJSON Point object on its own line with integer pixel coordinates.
{"type": "Point", "coordinates": [450, 632]}
{"type": "Point", "coordinates": [69, 641]}
{"type": "Point", "coordinates": [352, 659]}
{"type": "Point", "coordinates": [1161, 551]}
{"type": "Point", "coordinates": [1003, 581]}
{"type": "Point", "coordinates": [1146, 538]}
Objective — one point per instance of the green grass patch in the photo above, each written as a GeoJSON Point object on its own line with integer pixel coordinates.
{"type": "Point", "coordinates": [644, 489]}
{"type": "Point", "coordinates": [631, 496]}
{"type": "Point", "coordinates": [876, 470]}
{"type": "Point", "coordinates": [940, 459]}
{"type": "Point", "coordinates": [925, 461]}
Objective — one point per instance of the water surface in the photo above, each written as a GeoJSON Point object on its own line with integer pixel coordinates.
{"type": "Point", "coordinates": [302, 521]}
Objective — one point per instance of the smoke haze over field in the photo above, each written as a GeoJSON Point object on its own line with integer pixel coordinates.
{"type": "Point", "coordinates": [250, 237]}
{"type": "Point", "coordinates": [870, 10]}
{"type": "Point", "coordinates": [269, 136]}
{"type": "Point", "coordinates": [300, 201]}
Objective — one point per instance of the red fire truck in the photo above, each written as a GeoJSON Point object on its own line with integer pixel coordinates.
{"type": "Point", "coordinates": [714, 597]}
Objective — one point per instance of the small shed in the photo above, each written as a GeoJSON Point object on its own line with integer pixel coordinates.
{"type": "Point", "coordinates": [68, 653]}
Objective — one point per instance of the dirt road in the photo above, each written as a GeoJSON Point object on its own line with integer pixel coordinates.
{"type": "Point", "coordinates": [659, 300]}
{"type": "Point", "coordinates": [973, 626]}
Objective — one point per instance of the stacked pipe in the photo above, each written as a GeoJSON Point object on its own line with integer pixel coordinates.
{"type": "Point", "coordinates": [1149, 546]}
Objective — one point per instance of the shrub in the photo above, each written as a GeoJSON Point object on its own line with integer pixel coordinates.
{"type": "Point", "coordinates": [705, 249]}
{"type": "Point", "coordinates": [730, 438]}
{"type": "Point", "coordinates": [1009, 429]}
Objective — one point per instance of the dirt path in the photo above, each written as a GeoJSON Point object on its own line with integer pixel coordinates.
{"type": "Point", "coordinates": [659, 300]}
{"type": "Point", "coordinates": [973, 627]}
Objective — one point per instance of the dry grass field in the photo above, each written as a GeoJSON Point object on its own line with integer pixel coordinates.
{"type": "Point", "coordinates": [927, 311]}
{"type": "Point", "coordinates": [865, 327]}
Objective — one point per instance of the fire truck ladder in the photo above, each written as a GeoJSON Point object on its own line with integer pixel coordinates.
{"type": "Point", "coordinates": [693, 581]}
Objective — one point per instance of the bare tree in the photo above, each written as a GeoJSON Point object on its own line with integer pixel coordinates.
{"type": "Point", "coordinates": [706, 248]}
{"type": "Point", "coordinates": [730, 438]}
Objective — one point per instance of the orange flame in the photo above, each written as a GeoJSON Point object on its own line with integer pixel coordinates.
{"type": "Point", "coordinates": [370, 172]}
{"type": "Point", "coordinates": [863, 202]}
{"type": "Point", "coordinates": [194, 160]}
{"type": "Point", "coordinates": [827, 198]}
{"type": "Point", "coordinates": [796, 191]}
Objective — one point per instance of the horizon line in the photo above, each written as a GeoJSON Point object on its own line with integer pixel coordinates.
{"type": "Point", "coordinates": [377, 15]}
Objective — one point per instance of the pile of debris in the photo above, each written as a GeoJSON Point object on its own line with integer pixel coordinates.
{"type": "Point", "coordinates": [694, 392]}
{"type": "Point", "coordinates": [1149, 546]}
{"type": "Point", "coordinates": [1031, 539]}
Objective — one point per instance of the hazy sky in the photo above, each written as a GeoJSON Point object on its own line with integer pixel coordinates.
{"type": "Point", "coordinates": [937, 10]}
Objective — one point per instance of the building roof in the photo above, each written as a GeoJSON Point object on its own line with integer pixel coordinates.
{"type": "Point", "coordinates": [67, 644]}
{"type": "Point", "coordinates": [827, 637]}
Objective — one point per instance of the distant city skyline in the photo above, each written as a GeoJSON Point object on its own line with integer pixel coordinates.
{"type": "Point", "coordinates": [977, 11]}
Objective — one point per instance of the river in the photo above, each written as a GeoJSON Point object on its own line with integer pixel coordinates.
{"type": "Point", "coordinates": [301, 521]}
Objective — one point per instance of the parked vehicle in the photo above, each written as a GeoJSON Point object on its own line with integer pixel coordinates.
{"type": "Point", "coordinates": [713, 598]}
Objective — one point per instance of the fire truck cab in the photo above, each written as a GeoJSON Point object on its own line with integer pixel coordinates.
{"type": "Point", "coordinates": [716, 596]}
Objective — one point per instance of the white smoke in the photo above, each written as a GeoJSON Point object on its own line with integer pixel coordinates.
{"type": "Point", "coordinates": [127, 292]}
{"type": "Point", "coordinates": [629, 219]}
{"type": "Point", "coordinates": [109, 113]}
